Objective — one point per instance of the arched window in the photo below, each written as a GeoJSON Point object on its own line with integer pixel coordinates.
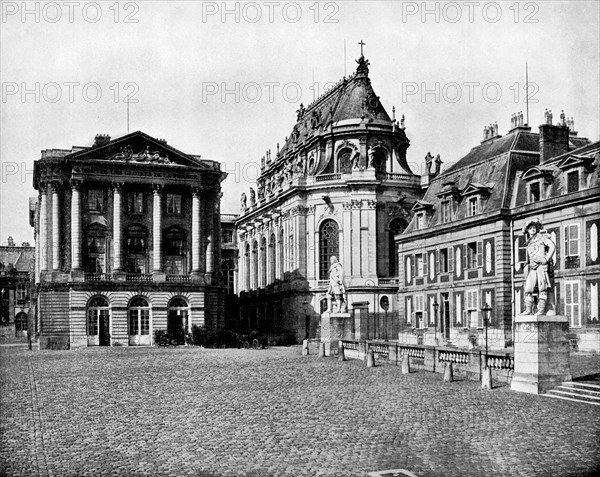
{"type": "Point", "coordinates": [397, 226]}
{"type": "Point", "coordinates": [255, 265]}
{"type": "Point", "coordinates": [21, 322]}
{"type": "Point", "coordinates": [247, 268]}
{"type": "Point", "coordinates": [272, 259]}
{"type": "Point", "coordinates": [98, 322]}
{"type": "Point", "coordinates": [345, 160]}
{"type": "Point", "coordinates": [139, 322]}
{"type": "Point", "coordinates": [281, 266]}
{"type": "Point", "coordinates": [379, 159]}
{"type": "Point", "coordinates": [178, 319]}
{"type": "Point", "coordinates": [263, 262]}
{"type": "Point", "coordinates": [328, 246]}
{"type": "Point", "coordinates": [228, 268]}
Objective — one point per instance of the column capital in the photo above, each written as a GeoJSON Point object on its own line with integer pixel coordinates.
{"type": "Point", "coordinates": [117, 186]}
{"type": "Point", "coordinates": [157, 188]}
{"type": "Point", "coordinates": [55, 186]}
{"type": "Point", "coordinates": [196, 192]}
{"type": "Point", "coordinates": [76, 184]}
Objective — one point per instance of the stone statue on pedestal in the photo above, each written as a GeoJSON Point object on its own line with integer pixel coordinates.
{"type": "Point", "coordinates": [337, 288]}
{"type": "Point", "coordinates": [539, 272]}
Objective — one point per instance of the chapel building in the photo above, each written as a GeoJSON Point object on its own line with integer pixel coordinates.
{"type": "Point", "coordinates": [339, 186]}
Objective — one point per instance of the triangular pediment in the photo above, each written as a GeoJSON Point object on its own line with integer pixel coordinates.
{"type": "Point", "coordinates": [573, 160]}
{"type": "Point", "coordinates": [139, 148]}
{"type": "Point", "coordinates": [422, 205]}
{"type": "Point", "coordinates": [475, 188]}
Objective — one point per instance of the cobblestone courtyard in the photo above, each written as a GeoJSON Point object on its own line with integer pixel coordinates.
{"type": "Point", "coordinates": [204, 412]}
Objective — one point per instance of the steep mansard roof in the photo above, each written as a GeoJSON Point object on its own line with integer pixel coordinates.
{"type": "Point", "coordinates": [352, 98]}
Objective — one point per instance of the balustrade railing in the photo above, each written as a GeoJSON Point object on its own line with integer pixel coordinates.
{"type": "Point", "coordinates": [328, 177]}
{"type": "Point", "coordinates": [96, 277]}
{"type": "Point", "coordinates": [412, 351]}
{"type": "Point", "coordinates": [350, 345]}
{"type": "Point", "coordinates": [138, 277]}
{"type": "Point", "coordinates": [456, 357]}
{"type": "Point", "coordinates": [179, 278]}
{"type": "Point", "coordinates": [381, 349]}
{"type": "Point", "coordinates": [500, 362]}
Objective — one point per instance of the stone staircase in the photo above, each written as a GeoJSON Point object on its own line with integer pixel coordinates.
{"type": "Point", "coordinates": [579, 392]}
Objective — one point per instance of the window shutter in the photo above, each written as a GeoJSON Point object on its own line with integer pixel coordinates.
{"type": "Point", "coordinates": [437, 261]}
{"type": "Point", "coordinates": [451, 259]}
{"type": "Point", "coordinates": [412, 316]}
{"type": "Point", "coordinates": [465, 318]}
{"type": "Point", "coordinates": [465, 257]}
{"type": "Point", "coordinates": [480, 254]}
{"type": "Point", "coordinates": [425, 322]}
{"type": "Point", "coordinates": [413, 263]}
{"type": "Point", "coordinates": [425, 267]}
{"type": "Point", "coordinates": [567, 241]}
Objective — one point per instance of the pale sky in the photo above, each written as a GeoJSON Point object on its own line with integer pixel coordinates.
{"type": "Point", "coordinates": [226, 84]}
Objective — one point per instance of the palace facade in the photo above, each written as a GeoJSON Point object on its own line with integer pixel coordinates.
{"type": "Point", "coordinates": [464, 247]}
{"type": "Point", "coordinates": [339, 186]}
{"type": "Point", "coordinates": [128, 241]}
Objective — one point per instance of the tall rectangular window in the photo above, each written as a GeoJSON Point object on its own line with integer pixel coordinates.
{"type": "Point", "coordinates": [445, 206]}
{"type": "Point", "coordinates": [420, 221]}
{"type": "Point", "coordinates": [419, 265]}
{"type": "Point", "coordinates": [473, 315]}
{"type": "Point", "coordinates": [473, 206]}
{"type": "Point", "coordinates": [572, 305]}
{"type": "Point", "coordinates": [22, 292]}
{"type": "Point", "coordinates": [174, 204]}
{"type": "Point", "coordinates": [572, 240]}
{"type": "Point", "coordinates": [573, 181]}
{"type": "Point", "coordinates": [420, 321]}
{"type": "Point", "coordinates": [472, 255]}
{"type": "Point", "coordinates": [534, 192]}
{"type": "Point", "coordinates": [96, 200]}
{"type": "Point", "coordinates": [135, 202]}
{"type": "Point", "coordinates": [443, 260]}
{"type": "Point", "coordinates": [227, 236]}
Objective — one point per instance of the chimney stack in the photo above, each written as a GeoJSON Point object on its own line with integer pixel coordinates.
{"type": "Point", "coordinates": [554, 141]}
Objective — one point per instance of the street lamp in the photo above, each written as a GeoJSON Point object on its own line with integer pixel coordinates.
{"type": "Point", "coordinates": [486, 382]}
{"type": "Point", "coordinates": [436, 307]}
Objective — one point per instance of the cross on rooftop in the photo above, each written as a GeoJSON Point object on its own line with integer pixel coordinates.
{"type": "Point", "coordinates": [361, 43]}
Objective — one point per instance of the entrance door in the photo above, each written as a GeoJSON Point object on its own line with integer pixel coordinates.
{"type": "Point", "coordinates": [177, 325]}
{"type": "Point", "coordinates": [139, 322]}
{"type": "Point", "coordinates": [104, 328]}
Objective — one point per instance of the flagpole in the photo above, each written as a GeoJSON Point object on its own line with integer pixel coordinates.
{"type": "Point", "coordinates": [527, 91]}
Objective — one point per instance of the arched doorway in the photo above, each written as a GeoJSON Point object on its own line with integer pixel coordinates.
{"type": "Point", "coordinates": [178, 319]}
{"type": "Point", "coordinates": [21, 324]}
{"type": "Point", "coordinates": [139, 322]}
{"type": "Point", "coordinates": [98, 322]}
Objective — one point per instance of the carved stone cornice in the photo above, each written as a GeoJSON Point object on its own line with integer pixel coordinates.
{"type": "Point", "coordinates": [371, 204]}
{"type": "Point", "coordinates": [356, 204]}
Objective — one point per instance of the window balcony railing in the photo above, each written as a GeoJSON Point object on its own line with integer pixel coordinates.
{"type": "Point", "coordinates": [328, 177]}
{"type": "Point", "coordinates": [179, 278]}
{"type": "Point", "coordinates": [138, 277]}
{"type": "Point", "coordinates": [97, 277]}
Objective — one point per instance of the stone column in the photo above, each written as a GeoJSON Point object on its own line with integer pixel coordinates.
{"type": "Point", "coordinates": [241, 276]}
{"type": "Point", "coordinates": [210, 257]}
{"type": "Point", "coordinates": [75, 225]}
{"type": "Point", "coordinates": [312, 244]}
{"type": "Point", "coordinates": [346, 245]}
{"type": "Point", "coordinates": [157, 229]}
{"type": "Point", "coordinates": [284, 265]}
{"type": "Point", "coordinates": [278, 246]}
{"type": "Point", "coordinates": [356, 249]}
{"type": "Point", "coordinates": [252, 265]}
{"type": "Point", "coordinates": [301, 241]}
{"type": "Point", "coordinates": [117, 227]}
{"type": "Point", "coordinates": [55, 228]}
{"type": "Point", "coordinates": [372, 241]}
{"type": "Point", "coordinates": [43, 233]}
{"type": "Point", "coordinates": [196, 231]}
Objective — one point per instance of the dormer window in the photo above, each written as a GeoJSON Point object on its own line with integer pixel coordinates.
{"type": "Point", "coordinates": [420, 221]}
{"type": "Point", "coordinates": [445, 211]}
{"type": "Point", "coordinates": [572, 181]}
{"type": "Point", "coordinates": [473, 206]}
{"type": "Point", "coordinates": [534, 192]}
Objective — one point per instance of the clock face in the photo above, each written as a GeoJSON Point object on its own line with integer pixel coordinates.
{"type": "Point", "coordinates": [373, 102]}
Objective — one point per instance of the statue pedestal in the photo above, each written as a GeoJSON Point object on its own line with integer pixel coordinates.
{"type": "Point", "coordinates": [335, 327]}
{"type": "Point", "coordinates": [542, 353]}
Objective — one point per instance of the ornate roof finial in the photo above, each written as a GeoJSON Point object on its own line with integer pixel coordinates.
{"type": "Point", "coordinates": [393, 114]}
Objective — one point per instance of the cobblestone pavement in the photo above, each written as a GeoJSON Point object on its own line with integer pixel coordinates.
{"type": "Point", "coordinates": [203, 412]}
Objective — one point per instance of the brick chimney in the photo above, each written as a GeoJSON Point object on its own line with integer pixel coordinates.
{"type": "Point", "coordinates": [554, 141]}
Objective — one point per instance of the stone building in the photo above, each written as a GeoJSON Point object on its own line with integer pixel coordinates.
{"type": "Point", "coordinates": [16, 272]}
{"type": "Point", "coordinates": [340, 185]}
{"type": "Point", "coordinates": [464, 247]}
{"type": "Point", "coordinates": [128, 240]}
